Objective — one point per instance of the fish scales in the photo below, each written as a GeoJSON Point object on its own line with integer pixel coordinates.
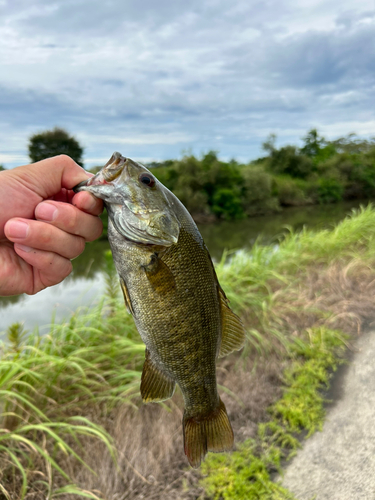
{"type": "Point", "coordinates": [192, 307]}
{"type": "Point", "coordinates": [171, 289]}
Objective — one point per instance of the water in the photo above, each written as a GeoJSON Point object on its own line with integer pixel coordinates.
{"type": "Point", "coordinates": [85, 285]}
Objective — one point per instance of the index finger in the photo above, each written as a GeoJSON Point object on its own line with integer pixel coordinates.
{"type": "Point", "coordinates": [47, 177]}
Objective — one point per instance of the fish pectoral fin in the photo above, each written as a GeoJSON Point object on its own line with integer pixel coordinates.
{"type": "Point", "coordinates": [233, 332]}
{"type": "Point", "coordinates": [127, 300]}
{"type": "Point", "coordinates": [159, 275]}
{"type": "Point", "coordinates": [156, 386]}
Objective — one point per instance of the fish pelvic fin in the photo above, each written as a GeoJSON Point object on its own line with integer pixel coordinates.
{"type": "Point", "coordinates": [156, 386]}
{"type": "Point", "coordinates": [211, 432]}
{"type": "Point", "coordinates": [233, 332]}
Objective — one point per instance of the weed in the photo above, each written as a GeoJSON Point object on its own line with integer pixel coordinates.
{"type": "Point", "coordinates": [246, 473]}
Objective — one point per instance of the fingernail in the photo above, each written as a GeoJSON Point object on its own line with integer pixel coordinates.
{"type": "Point", "coordinates": [24, 248]}
{"type": "Point", "coordinates": [46, 211]}
{"type": "Point", "coordinates": [17, 229]}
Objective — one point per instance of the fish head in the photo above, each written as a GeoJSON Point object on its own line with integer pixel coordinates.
{"type": "Point", "coordinates": [136, 202]}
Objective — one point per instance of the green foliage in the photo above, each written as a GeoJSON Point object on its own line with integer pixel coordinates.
{"type": "Point", "coordinates": [48, 384]}
{"type": "Point", "coordinates": [291, 192]}
{"type": "Point", "coordinates": [333, 171]}
{"type": "Point", "coordinates": [320, 171]}
{"type": "Point", "coordinates": [329, 190]}
{"type": "Point", "coordinates": [289, 161]}
{"type": "Point", "coordinates": [92, 363]}
{"type": "Point", "coordinates": [226, 203]}
{"type": "Point", "coordinates": [258, 191]}
{"type": "Point", "coordinates": [351, 144]}
{"type": "Point", "coordinates": [205, 186]}
{"type": "Point", "coordinates": [313, 144]}
{"type": "Point", "coordinates": [2, 168]}
{"type": "Point", "coordinates": [246, 277]}
{"type": "Point", "coordinates": [54, 142]}
{"type": "Point", "coordinates": [245, 474]}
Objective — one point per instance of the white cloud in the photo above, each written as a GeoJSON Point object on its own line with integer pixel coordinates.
{"type": "Point", "coordinates": [160, 77]}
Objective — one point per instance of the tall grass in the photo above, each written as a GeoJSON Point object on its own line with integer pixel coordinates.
{"type": "Point", "coordinates": [56, 389]}
{"type": "Point", "coordinates": [254, 281]}
{"type": "Point", "coordinates": [52, 388]}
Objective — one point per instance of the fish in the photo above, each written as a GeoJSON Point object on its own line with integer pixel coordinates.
{"type": "Point", "coordinates": [171, 289]}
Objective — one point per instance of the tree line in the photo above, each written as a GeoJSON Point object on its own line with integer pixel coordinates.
{"type": "Point", "coordinates": [319, 172]}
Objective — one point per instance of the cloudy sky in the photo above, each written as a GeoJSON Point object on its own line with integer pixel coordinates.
{"type": "Point", "coordinates": [152, 79]}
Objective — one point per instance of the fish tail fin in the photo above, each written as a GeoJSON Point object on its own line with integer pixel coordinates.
{"type": "Point", "coordinates": [212, 432]}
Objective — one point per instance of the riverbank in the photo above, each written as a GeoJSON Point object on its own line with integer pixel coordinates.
{"type": "Point", "coordinates": [298, 301]}
{"type": "Point", "coordinates": [85, 285]}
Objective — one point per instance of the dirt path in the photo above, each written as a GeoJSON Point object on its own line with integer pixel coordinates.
{"type": "Point", "coordinates": [339, 462]}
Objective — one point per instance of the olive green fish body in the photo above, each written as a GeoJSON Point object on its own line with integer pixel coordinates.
{"type": "Point", "coordinates": [175, 304]}
{"type": "Point", "coordinates": [170, 288]}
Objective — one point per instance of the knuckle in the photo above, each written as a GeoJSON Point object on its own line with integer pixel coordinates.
{"type": "Point", "coordinates": [65, 159]}
{"type": "Point", "coordinates": [45, 237]}
{"type": "Point", "coordinates": [71, 219]}
{"type": "Point", "coordinates": [60, 268]}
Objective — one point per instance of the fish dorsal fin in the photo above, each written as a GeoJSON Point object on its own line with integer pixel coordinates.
{"type": "Point", "coordinates": [155, 385]}
{"type": "Point", "coordinates": [127, 300]}
{"type": "Point", "coordinates": [233, 333]}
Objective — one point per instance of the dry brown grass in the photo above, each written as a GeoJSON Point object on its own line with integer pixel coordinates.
{"type": "Point", "coordinates": [149, 440]}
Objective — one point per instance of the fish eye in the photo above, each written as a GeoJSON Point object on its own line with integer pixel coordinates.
{"type": "Point", "coordinates": [147, 179]}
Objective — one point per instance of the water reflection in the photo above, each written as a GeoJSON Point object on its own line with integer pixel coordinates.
{"type": "Point", "coordinates": [234, 235]}
{"type": "Point", "coordinates": [86, 283]}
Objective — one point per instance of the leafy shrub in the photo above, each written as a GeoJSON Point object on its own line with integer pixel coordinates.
{"type": "Point", "coordinates": [194, 201]}
{"type": "Point", "coordinates": [227, 204]}
{"type": "Point", "coordinates": [289, 161]}
{"type": "Point", "coordinates": [330, 191]}
{"type": "Point", "coordinates": [258, 197]}
{"type": "Point", "coordinates": [291, 192]}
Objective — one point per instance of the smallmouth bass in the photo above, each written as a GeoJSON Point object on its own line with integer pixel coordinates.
{"type": "Point", "coordinates": [171, 289]}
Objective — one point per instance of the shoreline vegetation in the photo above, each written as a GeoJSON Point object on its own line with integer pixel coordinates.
{"type": "Point", "coordinates": [319, 172]}
{"type": "Point", "coordinates": [72, 422]}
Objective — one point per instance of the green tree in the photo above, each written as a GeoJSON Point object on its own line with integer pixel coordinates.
{"type": "Point", "coordinates": [2, 168]}
{"type": "Point", "coordinates": [54, 142]}
{"type": "Point", "coordinates": [313, 143]}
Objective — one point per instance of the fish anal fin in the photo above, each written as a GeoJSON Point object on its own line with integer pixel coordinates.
{"type": "Point", "coordinates": [233, 333]}
{"type": "Point", "coordinates": [127, 300]}
{"type": "Point", "coordinates": [156, 386]}
{"type": "Point", "coordinates": [212, 432]}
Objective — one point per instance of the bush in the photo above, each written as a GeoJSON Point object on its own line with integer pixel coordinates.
{"type": "Point", "coordinates": [258, 197]}
{"type": "Point", "coordinates": [287, 160]}
{"type": "Point", "coordinates": [227, 204]}
{"type": "Point", "coordinates": [291, 192]}
{"type": "Point", "coordinates": [194, 201]}
{"type": "Point", "coordinates": [330, 191]}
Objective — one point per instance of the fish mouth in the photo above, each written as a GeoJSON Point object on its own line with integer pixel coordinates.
{"type": "Point", "coordinates": [111, 170]}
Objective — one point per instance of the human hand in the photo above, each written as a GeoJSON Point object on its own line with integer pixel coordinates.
{"type": "Point", "coordinates": [43, 224]}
